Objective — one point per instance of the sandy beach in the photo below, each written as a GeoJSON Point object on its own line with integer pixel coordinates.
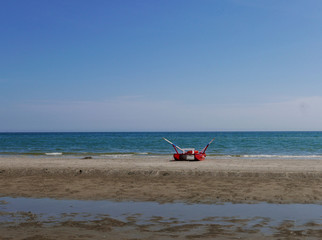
{"type": "Point", "coordinates": [158, 179]}
{"type": "Point", "coordinates": [163, 180]}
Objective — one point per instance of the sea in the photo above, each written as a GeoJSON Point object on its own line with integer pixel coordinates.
{"type": "Point", "coordinates": [113, 144]}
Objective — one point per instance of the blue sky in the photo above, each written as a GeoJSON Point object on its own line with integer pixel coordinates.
{"type": "Point", "coordinates": [160, 65]}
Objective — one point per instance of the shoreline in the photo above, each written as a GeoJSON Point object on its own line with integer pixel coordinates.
{"type": "Point", "coordinates": [120, 155]}
{"type": "Point", "coordinates": [162, 180]}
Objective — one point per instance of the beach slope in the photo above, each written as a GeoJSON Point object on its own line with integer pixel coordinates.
{"type": "Point", "coordinates": [158, 178]}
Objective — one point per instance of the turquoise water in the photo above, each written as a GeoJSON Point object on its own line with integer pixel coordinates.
{"type": "Point", "coordinates": [226, 144]}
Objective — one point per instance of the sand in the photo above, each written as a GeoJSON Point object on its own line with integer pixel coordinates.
{"type": "Point", "coordinates": [157, 228]}
{"type": "Point", "coordinates": [158, 178]}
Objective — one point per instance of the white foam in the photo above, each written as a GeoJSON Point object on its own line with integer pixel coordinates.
{"type": "Point", "coordinates": [54, 154]}
{"type": "Point", "coordinates": [281, 156]}
{"type": "Point", "coordinates": [117, 155]}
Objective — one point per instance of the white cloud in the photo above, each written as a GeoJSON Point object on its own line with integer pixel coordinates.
{"type": "Point", "coordinates": [138, 114]}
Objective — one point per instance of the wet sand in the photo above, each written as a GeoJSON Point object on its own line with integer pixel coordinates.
{"type": "Point", "coordinates": [71, 219]}
{"type": "Point", "coordinates": [143, 178]}
{"type": "Point", "coordinates": [157, 228]}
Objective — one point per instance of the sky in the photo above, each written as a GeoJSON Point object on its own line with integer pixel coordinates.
{"type": "Point", "coordinates": [162, 65]}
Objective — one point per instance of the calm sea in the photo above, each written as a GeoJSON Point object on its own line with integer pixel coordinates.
{"type": "Point", "coordinates": [226, 144]}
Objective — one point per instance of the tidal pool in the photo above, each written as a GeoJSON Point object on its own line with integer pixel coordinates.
{"type": "Point", "coordinates": [263, 215]}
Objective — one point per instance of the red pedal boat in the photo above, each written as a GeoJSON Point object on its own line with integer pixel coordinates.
{"type": "Point", "coordinates": [189, 153]}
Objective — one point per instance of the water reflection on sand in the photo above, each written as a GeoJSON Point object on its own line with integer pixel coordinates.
{"type": "Point", "coordinates": [263, 217]}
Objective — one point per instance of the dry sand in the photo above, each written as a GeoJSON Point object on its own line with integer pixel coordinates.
{"type": "Point", "coordinates": [160, 179]}
{"type": "Point", "coordinates": [143, 178]}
